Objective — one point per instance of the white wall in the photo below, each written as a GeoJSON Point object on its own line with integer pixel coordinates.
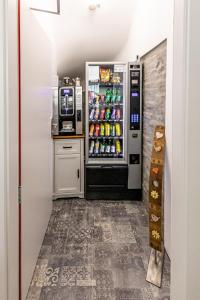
{"type": "Point", "coordinates": [36, 140]}
{"type": "Point", "coordinates": [152, 22]}
{"type": "Point", "coordinates": [186, 148]}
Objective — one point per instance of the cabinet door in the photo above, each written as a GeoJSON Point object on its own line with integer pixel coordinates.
{"type": "Point", "coordinates": [67, 174]}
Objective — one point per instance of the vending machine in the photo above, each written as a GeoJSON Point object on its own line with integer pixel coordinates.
{"type": "Point", "coordinates": [113, 131]}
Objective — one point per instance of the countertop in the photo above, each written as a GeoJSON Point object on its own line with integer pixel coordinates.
{"type": "Point", "coordinates": [63, 137]}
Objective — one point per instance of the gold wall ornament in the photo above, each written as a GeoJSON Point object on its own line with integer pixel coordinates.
{"type": "Point", "coordinates": [156, 189]}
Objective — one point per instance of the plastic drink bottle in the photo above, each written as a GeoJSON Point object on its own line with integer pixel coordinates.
{"type": "Point", "coordinates": [118, 114]}
{"type": "Point", "coordinates": [96, 149]}
{"type": "Point", "coordinates": [97, 130]}
{"type": "Point", "coordinates": [92, 114]}
{"type": "Point", "coordinates": [91, 130]}
{"type": "Point", "coordinates": [102, 130]}
{"type": "Point", "coordinates": [107, 114]}
{"type": "Point", "coordinates": [102, 115]}
{"type": "Point", "coordinates": [118, 147]}
{"type": "Point", "coordinates": [91, 147]}
{"type": "Point", "coordinates": [118, 129]}
{"type": "Point", "coordinates": [113, 114]}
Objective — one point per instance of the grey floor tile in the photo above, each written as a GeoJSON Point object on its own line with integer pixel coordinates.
{"type": "Point", "coordinates": [96, 250]}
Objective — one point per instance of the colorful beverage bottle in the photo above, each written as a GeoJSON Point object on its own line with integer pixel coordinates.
{"type": "Point", "coordinates": [118, 147]}
{"type": "Point", "coordinates": [112, 129]}
{"type": "Point", "coordinates": [91, 130]}
{"type": "Point", "coordinates": [97, 130]}
{"type": "Point", "coordinates": [102, 99]}
{"type": "Point", "coordinates": [108, 147]}
{"type": "Point", "coordinates": [107, 129]}
{"type": "Point", "coordinates": [118, 114]}
{"type": "Point", "coordinates": [107, 116]}
{"type": "Point", "coordinates": [97, 102]}
{"type": "Point", "coordinates": [118, 96]}
{"type": "Point", "coordinates": [113, 114]}
{"type": "Point", "coordinates": [108, 96]}
{"type": "Point", "coordinates": [91, 150]}
{"type": "Point", "coordinates": [102, 115]}
{"type": "Point", "coordinates": [113, 148]}
{"type": "Point", "coordinates": [102, 148]}
{"type": "Point", "coordinates": [92, 114]}
{"type": "Point", "coordinates": [96, 148]}
{"type": "Point", "coordinates": [118, 129]}
{"type": "Point", "coordinates": [102, 129]}
{"type": "Point", "coordinates": [96, 116]}
{"type": "Point", "coordinates": [114, 95]}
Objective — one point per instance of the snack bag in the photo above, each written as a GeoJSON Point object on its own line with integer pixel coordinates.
{"type": "Point", "coordinates": [105, 75]}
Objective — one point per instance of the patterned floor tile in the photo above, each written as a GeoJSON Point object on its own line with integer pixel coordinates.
{"type": "Point", "coordinates": [96, 251]}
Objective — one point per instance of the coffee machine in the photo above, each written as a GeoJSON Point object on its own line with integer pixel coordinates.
{"type": "Point", "coordinates": [67, 111]}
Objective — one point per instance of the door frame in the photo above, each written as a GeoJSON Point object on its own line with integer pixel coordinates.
{"type": "Point", "coordinates": [3, 158]}
{"type": "Point", "coordinates": [9, 242]}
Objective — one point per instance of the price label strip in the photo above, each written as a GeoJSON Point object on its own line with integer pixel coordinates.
{"type": "Point", "coordinates": [154, 274]}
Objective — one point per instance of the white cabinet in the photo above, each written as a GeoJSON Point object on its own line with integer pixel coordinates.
{"type": "Point", "coordinates": [69, 168]}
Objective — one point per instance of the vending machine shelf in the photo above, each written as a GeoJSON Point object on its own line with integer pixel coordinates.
{"type": "Point", "coordinates": [106, 137]}
{"type": "Point", "coordinates": [101, 121]}
{"type": "Point", "coordinates": [106, 155]}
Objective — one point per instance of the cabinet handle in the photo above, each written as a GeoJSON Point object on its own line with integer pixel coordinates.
{"type": "Point", "coordinates": [67, 147]}
{"type": "Point", "coordinates": [78, 173]}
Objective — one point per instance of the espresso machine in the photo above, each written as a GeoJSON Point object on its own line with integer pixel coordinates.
{"type": "Point", "coordinates": [67, 110]}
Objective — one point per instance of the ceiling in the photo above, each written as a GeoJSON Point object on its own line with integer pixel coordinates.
{"type": "Point", "coordinates": [82, 35]}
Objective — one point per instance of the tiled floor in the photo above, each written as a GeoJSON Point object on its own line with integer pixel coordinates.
{"type": "Point", "coordinates": [96, 251]}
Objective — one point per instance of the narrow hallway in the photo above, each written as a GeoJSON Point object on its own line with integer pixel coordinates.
{"type": "Point", "coordinates": [96, 251]}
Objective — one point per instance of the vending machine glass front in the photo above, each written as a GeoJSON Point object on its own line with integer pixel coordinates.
{"type": "Point", "coordinates": [106, 112]}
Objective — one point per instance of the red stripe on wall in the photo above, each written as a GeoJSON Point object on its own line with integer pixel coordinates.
{"type": "Point", "coordinates": [19, 139]}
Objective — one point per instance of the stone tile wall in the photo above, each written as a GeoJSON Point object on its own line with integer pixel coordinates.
{"type": "Point", "coordinates": [153, 103]}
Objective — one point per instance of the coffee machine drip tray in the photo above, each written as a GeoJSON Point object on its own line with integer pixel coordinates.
{"type": "Point", "coordinates": [67, 126]}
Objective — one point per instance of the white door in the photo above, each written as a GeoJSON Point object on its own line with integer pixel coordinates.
{"type": "Point", "coordinates": [37, 154]}
{"type": "Point", "coordinates": [67, 174]}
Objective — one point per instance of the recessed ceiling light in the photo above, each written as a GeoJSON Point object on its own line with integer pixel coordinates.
{"type": "Point", "coordinates": [93, 7]}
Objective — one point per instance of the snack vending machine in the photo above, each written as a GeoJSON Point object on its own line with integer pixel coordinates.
{"type": "Point", "coordinates": [109, 113]}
